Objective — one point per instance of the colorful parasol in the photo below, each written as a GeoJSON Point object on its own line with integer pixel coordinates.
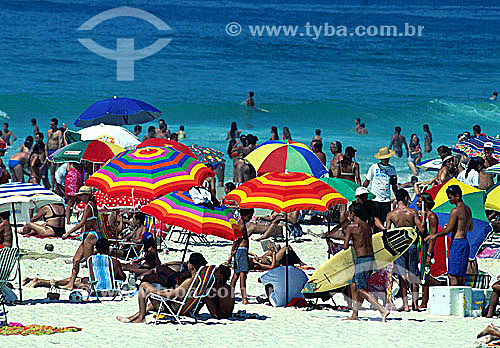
{"type": "Point", "coordinates": [493, 198]}
{"type": "Point", "coordinates": [346, 188]}
{"type": "Point", "coordinates": [432, 165]}
{"type": "Point", "coordinates": [105, 202]}
{"type": "Point", "coordinates": [280, 156]}
{"type": "Point", "coordinates": [167, 143]}
{"type": "Point", "coordinates": [149, 173]}
{"type": "Point", "coordinates": [286, 192]}
{"type": "Point", "coordinates": [473, 147]}
{"type": "Point", "coordinates": [178, 209]}
{"type": "Point", "coordinates": [111, 134]}
{"type": "Point", "coordinates": [95, 151]}
{"type": "Point", "coordinates": [493, 169]}
{"type": "Point", "coordinates": [207, 155]}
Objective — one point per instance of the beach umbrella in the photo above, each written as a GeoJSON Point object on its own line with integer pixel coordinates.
{"type": "Point", "coordinates": [111, 134]}
{"type": "Point", "coordinates": [493, 198]}
{"type": "Point", "coordinates": [94, 151]}
{"type": "Point", "coordinates": [117, 111]}
{"type": "Point", "coordinates": [473, 147]}
{"type": "Point", "coordinates": [167, 143]}
{"type": "Point", "coordinates": [286, 192]}
{"type": "Point", "coordinates": [105, 202]}
{"type": "Point", "coordinates": [493, 169]}
{"type": "Point", "coordinates": [149, 172]}
{"type": "Point", "coordinates": [432, 165]}
{"type": "Point", "coordinates": [280, 156]}
{"type": "Point", "coordinates": [207, 155]}
{"type": "Point", "coordinates": [474, 199]}
{"type": "Point", "coordinates": [35, 195]}
{"type": "Point", "coordinates": [346, 188]}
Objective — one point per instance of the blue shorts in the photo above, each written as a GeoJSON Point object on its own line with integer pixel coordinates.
{"type": "Point", "coordinates": [408, 262]}
{"type": "Point", "coordinates": [14, 163]}
{"type": "Point", "coordinates": [363, 269]}
{"type": "Point", "coordinates": [241, 260]}
{"type": "Point", "coordinates": [458, 257]}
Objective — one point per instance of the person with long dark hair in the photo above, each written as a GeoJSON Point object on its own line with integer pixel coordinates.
{"type": "Point", "coordinates": [285, 135]}
{"type": "Point", "coordinates": [274, 133]}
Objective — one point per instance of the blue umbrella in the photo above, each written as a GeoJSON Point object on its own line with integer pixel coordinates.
{"type": "Point", "coordinates": [118, 112]}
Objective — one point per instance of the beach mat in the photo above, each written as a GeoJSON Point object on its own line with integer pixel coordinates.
{"type": "Point", "coordinates": [38, 330]}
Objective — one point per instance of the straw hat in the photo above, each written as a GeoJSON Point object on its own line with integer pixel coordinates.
{"type": "Point", "coordinates": [384, 152]}
{"type": "Point", "coordinates": [84, 190]}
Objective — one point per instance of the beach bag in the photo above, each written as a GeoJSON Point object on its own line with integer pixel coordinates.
{"type": "Point", "coordinates": [200, 195]}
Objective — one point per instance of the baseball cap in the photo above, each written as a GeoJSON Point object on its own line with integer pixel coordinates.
{"type": "Point", "coordinates": [488, 145]}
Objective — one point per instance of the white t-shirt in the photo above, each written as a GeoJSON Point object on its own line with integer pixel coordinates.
{"type": "Point", "coordinates": [472, 179]}
{"type": "Point", "coordinates": [61, 173]}
{"type": "Point", "coordinates": [379, 176]}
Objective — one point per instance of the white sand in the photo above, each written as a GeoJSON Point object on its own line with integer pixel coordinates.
{"type": "Point", "coordinates": [283, 327]}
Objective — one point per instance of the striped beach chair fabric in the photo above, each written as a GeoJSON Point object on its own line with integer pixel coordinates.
{"type": "Point", "coordinates": [102, 277]}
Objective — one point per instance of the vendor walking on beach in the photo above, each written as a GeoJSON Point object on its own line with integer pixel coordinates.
{"type": "Point", "coordinates": [361, 234]}
{"type": "Point", "coordinates": [382, 177]}
{"type": "Point", "coordinates": [90, 233]}
{"type": "Point", "coordinates": [459, 223]}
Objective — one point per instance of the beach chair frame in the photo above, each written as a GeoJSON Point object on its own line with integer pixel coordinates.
{"type": "Point", "coordinates": [116, 285]}
{"type": "Point", "coordinates": [190, 303]}
{"type": "Point", "coordinates": [9, 257]}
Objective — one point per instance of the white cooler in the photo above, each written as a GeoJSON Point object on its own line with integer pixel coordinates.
{"type": "Point", "coordinates": [451, 300]}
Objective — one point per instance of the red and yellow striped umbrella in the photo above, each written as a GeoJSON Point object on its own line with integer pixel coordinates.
{"type": "Point", "coordinates": [286, 192]}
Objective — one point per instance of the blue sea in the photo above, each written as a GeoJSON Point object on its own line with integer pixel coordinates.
{"type": "Point", "coordinates": [442, 78]}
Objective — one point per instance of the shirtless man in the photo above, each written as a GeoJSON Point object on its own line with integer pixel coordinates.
{"type": "Point", "coordinates": [35, 126]}
{"type": "Point", "coordinates": [336, 150]}
{"type": "Point", "coordinates": [220, 301]}
{"type": "Point", "coordinates": [361, 235]}
{"type": "Point", "coordinates": [459, 223]}
{"type": "Point", "coordinates": [17, 162]}
{"type": "Point", "coordinates": [43, 160]}
{"type": "Point", "coordinates": [6, 134]}
{"type": "Point", "coordinates": [54, 136]}
{"type": "Point", "coordinates": [485, 180]}
{"type": "Point", "coordinates": [196, 261]}
{"type": "Point", "coordinates": [5, 230]}
{"type": "Point", "coordinates": [53, 215]}
{"type": "Point", "coordinates": [428, 138]}
{"type": "Point", "coordinates": [406, 266]}
{"type": "Point", "coordinates": [397, 141]}
{"type": "Point", "coordinates": [242, 170]}
{"type": "Point", "coordinates": [250, 102]}
{"type": "Point", "coordinates": [317, 136]}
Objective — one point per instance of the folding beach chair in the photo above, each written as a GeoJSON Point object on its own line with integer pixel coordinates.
{"type": "Point", "coordinates": [194, 239]}
{"type": "Point", "coordinates": [8, 261]}
{"type": "Point", "coordinates": [200, 288]}
{"type": "Point", "coordinates": [102, 278]}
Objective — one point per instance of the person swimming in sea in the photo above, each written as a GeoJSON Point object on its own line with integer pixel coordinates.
{"type": "Point", "coordinates": [494, 96]}
{"type": "Point", "coordinates": [250, 102]}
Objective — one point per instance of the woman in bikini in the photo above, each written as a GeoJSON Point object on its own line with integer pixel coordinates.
{"type": "Point", "coordinates": [90, 233]}
{"type": "Point", "coordinates": [349, 170]}
{"type": "Point", "coordinates": [53, 216]}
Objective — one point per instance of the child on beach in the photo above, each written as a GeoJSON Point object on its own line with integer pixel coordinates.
{"type": "Point", "coordinates": [240, 253]}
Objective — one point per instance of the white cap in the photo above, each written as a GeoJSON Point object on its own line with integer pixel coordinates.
{"type": "Point", "coordinates": [488, 145]}
{"type": "Point", "coordinates": [361, 191]}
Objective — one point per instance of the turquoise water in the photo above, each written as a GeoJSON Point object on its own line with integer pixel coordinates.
{"type": "Point", "coordinates": [442, 78]}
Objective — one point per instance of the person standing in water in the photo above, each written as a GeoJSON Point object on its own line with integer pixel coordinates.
{"type": "Point", "coordinates": [357, 122]}
{"type": "Point", "coordinates": [428, 139]}
{"type": "Point", "coordinates": [274, 133]}
{"type": "Point", "coordinates": [459, 223]}
{"type": "Point", "coordinates": [362, 130]}
{"type": "Point", "coordinates": [286, 134]}
{"type": "Point", "coordinates": [6, 134]}
{"type": "Point", "coordinates": [35, 127]}
{"type": "Point", "coordinates": [397, 141]}
{"type": "Point", "coordinates": [250, 102]}
{"type": "Point", "coordinates": [494, 96]}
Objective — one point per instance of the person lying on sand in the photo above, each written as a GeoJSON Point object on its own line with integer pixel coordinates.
{"type": "Point", "coordinates": [102, 247]}
{"type": "Point", "coordinates": [196, 261]}
{"type": "Point", "coordinates": [220, 301]}
{"type": "Point", "coordinates": [492, 331]}
{"type": "Point", "coordinates": [271, 225]}
{"type": "Point", "coordinates": [272, 258]}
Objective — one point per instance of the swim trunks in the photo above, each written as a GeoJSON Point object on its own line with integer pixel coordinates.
{"type": "Point", "coordinates": [14, 163]}
{"type": "Point", "coordinates": [399, 152]}
{"type": "Point", "coordinates": [458, 257]}
{"type": "Point", "coordinates": [241, 260]}
{"type": "Point", "coordinates": [363, 268]}
{"type": "Point", "coordinates": [408, 262]}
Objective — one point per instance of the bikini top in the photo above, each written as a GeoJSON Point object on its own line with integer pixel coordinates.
{"type": "Point", "coordinates": [93, 214]}
{"type": "Point", "coordinates": [54, 215]}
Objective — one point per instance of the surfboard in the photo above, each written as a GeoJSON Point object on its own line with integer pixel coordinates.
{"type": "Point", "coordinates": [339, 270]}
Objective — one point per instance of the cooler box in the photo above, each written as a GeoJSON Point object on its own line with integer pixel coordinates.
{"type": "Point", "coordinates": [450, 300]}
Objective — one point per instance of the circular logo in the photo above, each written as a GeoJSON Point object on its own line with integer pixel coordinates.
{"type": "Point", "coordinates": [233, 29]}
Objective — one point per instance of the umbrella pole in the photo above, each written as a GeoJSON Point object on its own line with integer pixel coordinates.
{"type": "Point", "coordinates": [328, 231]}
{"type": "Point", "coordinates": [185, 250]}
{"type": "Point", "coordinates": [286, 256]}
{"type": "Point", "coordinates": [19, 258]}
{"type": "Point", "coordinates": [156, 248]}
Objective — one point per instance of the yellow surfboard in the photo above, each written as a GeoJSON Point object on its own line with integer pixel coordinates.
{"type": "Point", "coordinates": [339, 270]}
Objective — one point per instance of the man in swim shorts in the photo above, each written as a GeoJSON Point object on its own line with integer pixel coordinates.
{"type": "Point", "coordinates": [397, 141]}
{"type": "Point", "coordinates": [459, 223]}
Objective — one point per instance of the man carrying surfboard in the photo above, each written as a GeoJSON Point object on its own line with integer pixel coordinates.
{"type": "Point", "coordinates": [459, 223]}
{"type": "Point", "coordinates": [406, 266]}
{"type": "Point", "coordinates": [361, 235]}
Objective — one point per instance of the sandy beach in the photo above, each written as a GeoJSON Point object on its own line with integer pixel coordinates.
{"type": "Point", "coordinates": [281, 327]}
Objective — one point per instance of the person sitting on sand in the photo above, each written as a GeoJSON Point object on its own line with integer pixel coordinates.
{"type": "Point", "coordinates": [5, 230]}
{"type": "Point", "coordinates": [196, 261]}
{"type": "Point", "coordinates": [53, 215]}
{"type": "Point", "coordinates": [102, 248]}
{"type": "Point", "coordinates": [220, 301]}
{"type": "Point", "coordinates": [148, 261]}
{"type": "Point", "coordinates": [90, 233]}
{"type": "Point", "coordinates": [360, 233]}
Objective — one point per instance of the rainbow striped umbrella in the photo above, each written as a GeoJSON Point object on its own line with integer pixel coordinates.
{"type": "Point", "coordinates": [280, 156]}
{"type": "Point", "coordinates": [95, 151]}
{"type": "Point", "coordinates": [149, 172]}
{"type": "Point", "coordinates": [473, 147]}
{"type": "Point", "coordinates": [178, 209]}
{"type": "Point", "coordinates": [167, 143]}
{"type": "Point", "coordinates": [207, 155]}
{"type": "Point", "coordinates": [286, 192]}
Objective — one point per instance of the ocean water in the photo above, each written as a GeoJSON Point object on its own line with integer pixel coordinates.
{"type": "Point", "coordinates": [442, 78]}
